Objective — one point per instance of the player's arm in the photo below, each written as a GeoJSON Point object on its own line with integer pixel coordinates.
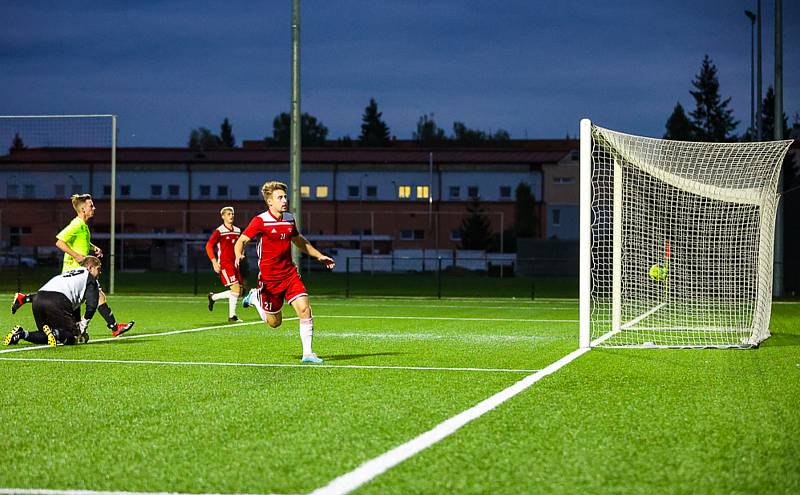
{"type": "Point", "coordinates": [238, 249]}
{"type": "Point", "coordinates": [60, 244]}
{"type": "Point", "coordinates": [212, 242]}
{"type": "Point", "coordinates": [306, 247]}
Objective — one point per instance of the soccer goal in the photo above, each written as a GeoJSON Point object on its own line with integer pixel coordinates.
{"type": "Point", "coordinates": [676, 240]}
{"type": "Point", "coordinates": [33, 142]}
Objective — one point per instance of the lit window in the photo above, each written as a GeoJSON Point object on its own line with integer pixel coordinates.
{"type": "Point", "coordinates": [305, 191]}
{"type": "Point", "coordinates": [403, 192]}
{"type": "Point", "coordinates": [322, 192]}
{"type": "Point", "coordinates": [422, 192]}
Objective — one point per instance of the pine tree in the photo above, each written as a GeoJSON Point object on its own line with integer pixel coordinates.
{"type": "Point", "coordinates": [712, 119]}
{"type": "Point", "coordinates": [525, 221]}
{"type": "Point", "coordinates": [679, 128]}
{"type": "Point", "coordinates": [226, 134]}
{"type": "Point", "coordinates": [767, 118]}
{"type": "Point", "coordinates": [374, 131]}
{"type": "Point", "coordinates": [476, 232]}
{"type": "Point", "coordinates": [17, 144]}
{"type": "Point", "coordinates": [203, 139]}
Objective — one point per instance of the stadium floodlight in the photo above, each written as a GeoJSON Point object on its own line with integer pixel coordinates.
{"type": "Point", "coordinates": [676, 240]}
{"type": "Point", "coordinates": [28, 139]}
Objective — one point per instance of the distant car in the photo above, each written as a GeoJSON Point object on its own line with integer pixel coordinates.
{"type": "Point", "coordinates": [14, 260]}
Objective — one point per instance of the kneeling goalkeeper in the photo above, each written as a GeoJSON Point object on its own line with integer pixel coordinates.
{"type": "Point", "coordinates": [55, 305]}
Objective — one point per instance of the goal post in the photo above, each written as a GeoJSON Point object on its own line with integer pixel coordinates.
{"type": "Point", "coordinates": [31, 136]}
{"type": "Point", "coordinates": [676, 240]}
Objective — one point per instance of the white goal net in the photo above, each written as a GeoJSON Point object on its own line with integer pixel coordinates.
{"type": "Point", "coordinates": [677, 240]}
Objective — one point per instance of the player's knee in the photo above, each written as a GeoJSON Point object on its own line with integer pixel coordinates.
{"type": "Point", "coordinates": [102, 299]}
{"type": "Point", "coordinates": [304, 312]}
{"type": "Point", "coordinates": [274, 321]}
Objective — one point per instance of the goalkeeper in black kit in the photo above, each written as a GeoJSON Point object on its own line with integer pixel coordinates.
{"type": "Point", "coordinates": [55, 304]}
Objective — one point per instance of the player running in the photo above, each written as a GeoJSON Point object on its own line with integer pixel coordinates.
{"type": "Point", "coordinates": [221, 253]}
{"type": "Point", "coordinates": [56, 303]}
{"type": "Point", "coordinates": [278, 277]}
{"type": "Point", "coordinates": [75, 241]}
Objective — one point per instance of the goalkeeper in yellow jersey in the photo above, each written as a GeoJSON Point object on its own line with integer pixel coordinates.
{"type": "Point", "coordinates": [75, 241]}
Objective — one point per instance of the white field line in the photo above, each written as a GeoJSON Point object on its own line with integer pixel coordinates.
{"type": "Point", "coordinates": [348, 482]}
{"type": "Point", "coordinates": [44, 491]}
{"type": "Point", "coordinates": [445, 318]}
{"type": "Point", "coordinates": [267, 365]}
{"type": "Point", "coordinates": [466, 300]}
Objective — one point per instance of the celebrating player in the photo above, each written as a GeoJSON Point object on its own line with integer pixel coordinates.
{"type": "Point", "coordinates": [56, 303]}
{"type": "Point", "coordinates": [75, 241]}
{"type": "Point", "coordinates": [220, 251]}
{"type": "Point", "coordinates": [278, 277]}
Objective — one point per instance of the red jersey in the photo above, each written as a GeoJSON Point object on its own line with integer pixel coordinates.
{"type": "Point", "coordinates": [274, 244]}
{"type": "Point", "coordinates": [220, 245]}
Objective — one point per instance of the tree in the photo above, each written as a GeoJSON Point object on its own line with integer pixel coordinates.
{"type": "Point", "coordinates": [525, 222]}
{"type": "Point", "coordinates": [203, 139]}
{"type": "Point", "coordinates": [767, 118]}
{"type": "Point", "coordinates": [712, 119]}
{"type": "Point", "coordinates": [476, 232]}
{"type": "Point", "coordinates": [312, 132]}
{"type": "Point", "coordinates": [226, 134]}
{"type": "Point", "coordinates": [465, 136]}
{"type": "Point", "coordinates": [428, 133]}
{"type": "Point", "coordinates": [17, 144]}
{"type": "Point", "coordinates": [679, 127]}
{"type": "Point", "coordinates": [374, 131]}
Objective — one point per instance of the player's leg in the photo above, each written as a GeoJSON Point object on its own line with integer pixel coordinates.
{"type": "Point", "coordinates": [20, 299]}
{"type": "Point", "coordinates": [14, 335]}
{"type": "Point", "coordinates": [117, 329]}
{"type": "Point", "coordinates": [234, 289]}
{"type": "Point", "coordinates": [297, 296]}
{"type": "Point", "coordinates": [267, 298]}
{"type": "Point", "coordinates": [226, 294]}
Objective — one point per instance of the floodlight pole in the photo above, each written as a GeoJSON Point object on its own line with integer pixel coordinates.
{"type": "Point", "coordinates": [752, 18]}
{"type": "Point", "coordinates": [777, 277]}
{"type": "Point", "coordinates": [759, 130]}
{"type": "Point", "coordinates": [295, 140]}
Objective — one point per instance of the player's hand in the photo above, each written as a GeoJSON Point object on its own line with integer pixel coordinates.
{"type": "Point", "coordinates": [98, 252]}
{"type": "Point", "coordinates": [215, 264]}
{"type": "Point", "coordinates": [237, 260]}
{"type": "Point", "coordinates": [327, 261]}
{"type": "Point", "coordinates": [80, 258]}
{"type": "Point", "coordinates": [83, 325]}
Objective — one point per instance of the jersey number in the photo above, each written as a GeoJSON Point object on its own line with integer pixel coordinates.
{"type": "Point", "coordinates": [72, 273]}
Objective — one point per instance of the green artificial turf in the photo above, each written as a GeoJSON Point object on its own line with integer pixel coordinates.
{"type": "Point", "coordinates": [125, 415]}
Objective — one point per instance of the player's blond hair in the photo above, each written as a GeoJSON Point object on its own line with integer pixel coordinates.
{"type": "Point", "coordinates": [90, 261]}
{"type": "Point", "coordinates": [78, 201]}
{"type": "Point", "coordinates": [226, 208]}
{"type": "Point", "coordinates": [268, 188]}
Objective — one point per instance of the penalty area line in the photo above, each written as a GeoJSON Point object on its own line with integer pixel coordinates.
{"type": "Point", "coordinates": [47, 491]}
{"type": "Point", "coordinates": [348, 482]}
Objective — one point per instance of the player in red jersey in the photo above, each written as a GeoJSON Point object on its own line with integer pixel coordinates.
{"type": "Point", "coordinates": [278, 277]}
{"type": "Point", "coordinates": [220, 250]}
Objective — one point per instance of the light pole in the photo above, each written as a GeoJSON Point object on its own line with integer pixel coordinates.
{"type": "Point", "coordinates": [758, 74]}
{"type": "Point", "coordinates": [752, 18]}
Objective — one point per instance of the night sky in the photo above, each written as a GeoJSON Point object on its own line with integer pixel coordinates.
{"type": "Point", "coordinates": [533, 68]}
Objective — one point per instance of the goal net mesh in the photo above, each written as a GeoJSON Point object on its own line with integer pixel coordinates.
{"type": "Point", "coordinates": [681, 241]}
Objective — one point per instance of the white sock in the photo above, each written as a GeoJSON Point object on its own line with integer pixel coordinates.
{"type": "Point", "coordinates": [220, 295]}
{"type": "Point", "coordinates": [232, 298]}
{"type": "Point", "coordinates": [306, 334]}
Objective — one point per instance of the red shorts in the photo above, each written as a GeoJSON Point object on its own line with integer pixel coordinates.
{"type": "Point", "coordinates": [229, 275]}
{"type": "Point", "coordinates": [271, 294]}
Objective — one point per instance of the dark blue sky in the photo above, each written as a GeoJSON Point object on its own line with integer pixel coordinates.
{"type": "Point", "coordinates": [531, 67]}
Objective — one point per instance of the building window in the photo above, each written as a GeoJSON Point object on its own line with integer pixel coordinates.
{"type": "Point", "coordinates": [125, 190]}
{"type": "Point", "coordinates": [473, 192]}
{"type": "Point", "coordinates": [403, 192]}
{"type": "Point", "coordinates": [222, 191]}
{"type": "Point", "coordinates": [556, 218]}
{"type": "Point", "coordinates": [352, 191]}
{"type": "Point", "coordinates": [155, 190]}
{"type": "Point", "coordinates": [372, 191]}
{"type": "Point", "coordinates": [16, 234]}
{"type": "Point", "coordinates": [12, 191]}
{"type": "Point", "coordinates": [455, 235]}
{"type": "Point", "coordinates": [107, 190]}
{"type": "Point", "coordinates": [455, 192]}
{"type": "Point", "coordinates": [28, 191]}
{"type": "Point", "coordinates": [422, 192]}
{"type": "Point", "coordinates": [254, 191]}
{"type": "Point", "coordinates": [505, 191]}
{"type": "Point", "coordinates": [205, 191]}
{"type": "Point", "coordinates": [174, 190]}
{"type": "Point", "coordinates": [322, 192]}
{"type": "Point", "coordinates": [60, 191]}
{"type": "Point", "coordinates": [564, 180]}
{"type": "Point", "coordinates": [412, 235]}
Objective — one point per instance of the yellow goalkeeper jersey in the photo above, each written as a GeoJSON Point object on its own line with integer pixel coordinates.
{"type": "Point", "coordinates": [76, 235]}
